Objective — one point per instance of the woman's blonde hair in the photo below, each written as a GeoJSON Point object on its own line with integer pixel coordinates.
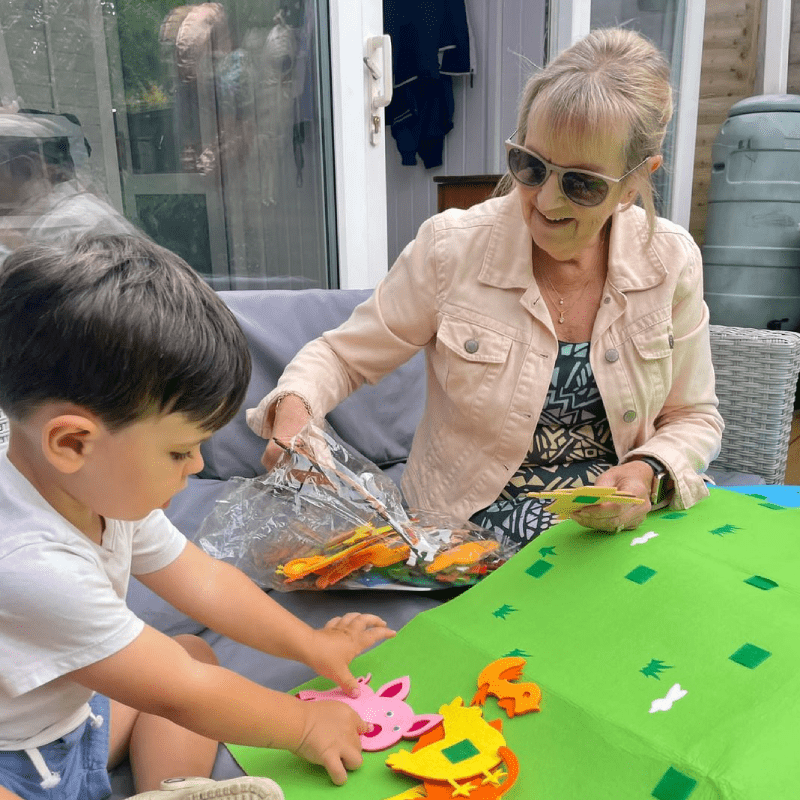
{"type": "Point", "coordinates": [612, 77]}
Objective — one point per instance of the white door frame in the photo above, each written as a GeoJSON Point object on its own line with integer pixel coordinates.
{"type": "Point", "coordinates": [773, 43]}
{"type": "Point", "coordinates": [360, 164]}
{"type": "Point", "coordinates": [687, 105]}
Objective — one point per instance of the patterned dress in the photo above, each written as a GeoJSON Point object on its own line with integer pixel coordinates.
{"type": "Point", "coordinates": [571, 446]}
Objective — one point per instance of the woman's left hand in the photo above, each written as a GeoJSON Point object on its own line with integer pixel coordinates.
{"type": "Point", "coordinates": [332, 648]}
{"type": "Point", "coordinates": [634, 478]}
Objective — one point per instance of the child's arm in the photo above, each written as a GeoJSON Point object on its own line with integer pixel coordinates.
{"type": "Point", "coordinates": [156, 675]}
{"type": "Point", "coordinates": [224, 599]}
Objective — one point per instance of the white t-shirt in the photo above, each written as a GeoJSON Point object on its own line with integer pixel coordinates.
{"type": "Point", "coordinates": [62, 605]}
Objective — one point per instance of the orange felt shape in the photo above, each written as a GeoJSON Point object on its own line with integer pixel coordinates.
{"type": "Point", "coordinates": [497, 680]}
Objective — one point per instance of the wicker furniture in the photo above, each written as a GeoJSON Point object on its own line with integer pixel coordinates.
{"type": "Point", "coordinates": [756, 378]}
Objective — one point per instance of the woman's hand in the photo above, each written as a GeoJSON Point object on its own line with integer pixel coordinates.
{"type": "Point", "coordinates": [634, 478]}
{"type": "Point", "coordinates": [331, 649]}
{"type": "Point", "coordinates": [291, 416]}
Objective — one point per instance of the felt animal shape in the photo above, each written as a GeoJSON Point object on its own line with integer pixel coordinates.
{"type": "Point", "coordinates": [391, 717]}
{"type": "Point", "coordinates": [497, 680]}
{"type": "Point", "coordinates": [665, 703]}
{"type": "Point", "coordinates": [469, 748]}
{"type": "Point", "coordinates": [475, 788]}
{"type": "Point", "coordinates": [565, 501]}
{"type": "Point", "coordinates": [465, 554]}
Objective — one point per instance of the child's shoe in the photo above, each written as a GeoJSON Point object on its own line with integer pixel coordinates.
{"type": "Point", "coordinates": [206, 789]}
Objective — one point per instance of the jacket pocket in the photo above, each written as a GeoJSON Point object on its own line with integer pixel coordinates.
{"type": "Point", "coordinates": [468, 357]}
{"type": "Point", "coordinates": [654, 348]}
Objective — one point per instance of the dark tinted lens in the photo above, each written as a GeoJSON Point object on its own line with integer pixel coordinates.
{"type": "Point", "coordinates": [583, 189]}
{"type": "Point", "coordinates": [526, 168]}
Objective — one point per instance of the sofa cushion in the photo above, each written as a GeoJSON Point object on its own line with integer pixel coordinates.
{"type": "Point", "coordinates": [378, 421]}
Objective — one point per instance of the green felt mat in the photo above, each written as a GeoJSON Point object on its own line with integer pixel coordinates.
{"type": "Point", "coordinates": [607, 628]}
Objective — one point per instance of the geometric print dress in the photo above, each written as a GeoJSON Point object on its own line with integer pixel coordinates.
{"type": "Point", "coordinates": [571, 446]}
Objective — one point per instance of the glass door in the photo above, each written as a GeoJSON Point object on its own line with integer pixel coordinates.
{"type": "Point", "coordinates": [676, 26]}
{"type": "Point", "coordinates": [222, 120]}
{"type": "Point", "coordinates": [235, 133]}
{"type": "Point", "coordinates": [245, 134]}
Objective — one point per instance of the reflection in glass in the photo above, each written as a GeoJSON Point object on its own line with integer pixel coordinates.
{"type": "Point", "coordinates": [222, 136]}
{"type": "Point", "coordinates": [46, 192]}
{"type": "Point", "coordinates": [662, 22]}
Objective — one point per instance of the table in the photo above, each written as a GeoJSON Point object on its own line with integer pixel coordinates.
{"type": "Point", "coordinates": [607, 626]}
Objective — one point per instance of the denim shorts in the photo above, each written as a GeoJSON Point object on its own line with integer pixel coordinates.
{"type": "Point", "coordinates": [80, 758]}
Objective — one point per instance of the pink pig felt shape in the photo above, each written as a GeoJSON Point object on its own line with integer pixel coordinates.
{"type": "Point", "coordinates": [392, 719]}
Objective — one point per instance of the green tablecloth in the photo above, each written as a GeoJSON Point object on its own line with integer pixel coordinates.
{"type": "Point", "coordinates": [712, 603]}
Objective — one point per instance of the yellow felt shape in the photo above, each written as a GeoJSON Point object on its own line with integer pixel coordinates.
{"type": "Point", "coordinates": [565, 501]}
{"type": "Point", "coordinates": [469, 748]}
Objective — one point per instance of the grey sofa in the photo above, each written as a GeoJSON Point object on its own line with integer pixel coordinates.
{"type": "Point", "coordinates": [379, 421]}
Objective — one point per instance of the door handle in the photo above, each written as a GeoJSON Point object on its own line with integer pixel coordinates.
{"type": "Point", "coordinates": [380, 72]}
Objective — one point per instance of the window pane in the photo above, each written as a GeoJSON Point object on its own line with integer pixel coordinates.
{"type": "Point", "coordinates": [662, 22]}
{"type": "Point", "coordinates": [206, 124]}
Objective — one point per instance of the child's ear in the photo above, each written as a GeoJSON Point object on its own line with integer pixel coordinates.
{"type": "Point", "coordinates": [67, 439]}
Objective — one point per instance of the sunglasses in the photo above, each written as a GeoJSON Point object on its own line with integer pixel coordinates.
{"type": "Point", "coordinates": [579, 186]}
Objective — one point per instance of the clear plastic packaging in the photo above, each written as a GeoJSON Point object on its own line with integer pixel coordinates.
{"type": "Point", "coordinates": [325, 516]}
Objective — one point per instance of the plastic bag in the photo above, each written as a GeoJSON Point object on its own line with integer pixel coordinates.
{"type": "Point", "coordinates": [325, 516]}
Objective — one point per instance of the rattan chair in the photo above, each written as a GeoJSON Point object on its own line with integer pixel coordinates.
{"type": "Point", "coordinates": [756, 373]}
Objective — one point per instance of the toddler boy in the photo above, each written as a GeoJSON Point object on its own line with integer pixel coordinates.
{"type": "Point", "coordinates": [116, 363]}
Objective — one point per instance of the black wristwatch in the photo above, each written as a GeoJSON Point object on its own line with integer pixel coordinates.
{"type": "Point", "coordinates": [659, 488]}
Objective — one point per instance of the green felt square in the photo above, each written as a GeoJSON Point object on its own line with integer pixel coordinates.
{"type": "Point", "coordinates": [761, 583]}
{"type": "Point", "coordinates": [460, 751]}
{"type": "Point", "coordinates": [539, 568]}
{"type": "Point", "coordinates": [674, 785]}
{"type": "Point", "coordinates": [641, 574]}
{"type": "Point", "coordinates": [585, 498]}
{"type": "Point", "coordinates": [750, 656]}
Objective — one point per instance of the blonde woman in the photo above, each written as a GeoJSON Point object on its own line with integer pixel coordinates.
{"type": "Point", "coordinates": [563, 322]}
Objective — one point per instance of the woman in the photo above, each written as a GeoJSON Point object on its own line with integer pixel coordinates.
{"type": "Point", "coordinates": [564, 327]}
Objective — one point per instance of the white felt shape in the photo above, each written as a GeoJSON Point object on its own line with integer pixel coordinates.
{"type": "Point", "coordinates": [645, 537]}
{"type": "Point", "coordinates": [665, 703]}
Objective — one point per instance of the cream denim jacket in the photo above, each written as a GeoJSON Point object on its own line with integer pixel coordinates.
{"type": "Point", "coordinates": [464, 290]}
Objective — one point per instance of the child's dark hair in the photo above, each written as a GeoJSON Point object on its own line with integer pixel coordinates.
{"type": "Point", "coordinates": [120, 326]}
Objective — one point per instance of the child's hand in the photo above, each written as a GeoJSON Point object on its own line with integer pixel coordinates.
{"type": "Point", "coordinates": [331, 737]}
{"type": "Point", "coordinates": [331, 649]}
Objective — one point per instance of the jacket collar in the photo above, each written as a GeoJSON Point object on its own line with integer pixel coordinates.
{"type": "Point", "coordinates": [507, 263]}
{"type": "Point", "coordinates": [633, 262]}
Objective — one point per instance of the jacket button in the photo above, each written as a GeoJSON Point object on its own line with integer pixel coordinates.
{"type": "Point", "coordinates": [612, 355]}
{"type": "Point", "coordinates": [629, 416]}
{"type": "Point", "coordinates": [671, 341]}
{"type": "Point", "coordinates": [471, 345]}
{"type": "Point", "coordinates": [606, 299]}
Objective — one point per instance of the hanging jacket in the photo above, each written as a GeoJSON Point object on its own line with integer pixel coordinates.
{"type": "Point", "coordinates": [430, 43]}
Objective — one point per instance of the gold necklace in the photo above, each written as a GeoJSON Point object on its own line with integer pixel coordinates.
{"type": "Point", "coordinates": [562, 311]}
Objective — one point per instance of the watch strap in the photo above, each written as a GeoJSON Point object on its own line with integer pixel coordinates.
{"type": "Point", "coordinates": [658, 488]}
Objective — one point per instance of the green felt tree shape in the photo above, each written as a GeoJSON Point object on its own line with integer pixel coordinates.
{"type": "Point", "coordinates": [654, 669]}
{"type": "Point", "coordinates": [723, 529]}
{"type": "Point", "coordinates": [503, 611]}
